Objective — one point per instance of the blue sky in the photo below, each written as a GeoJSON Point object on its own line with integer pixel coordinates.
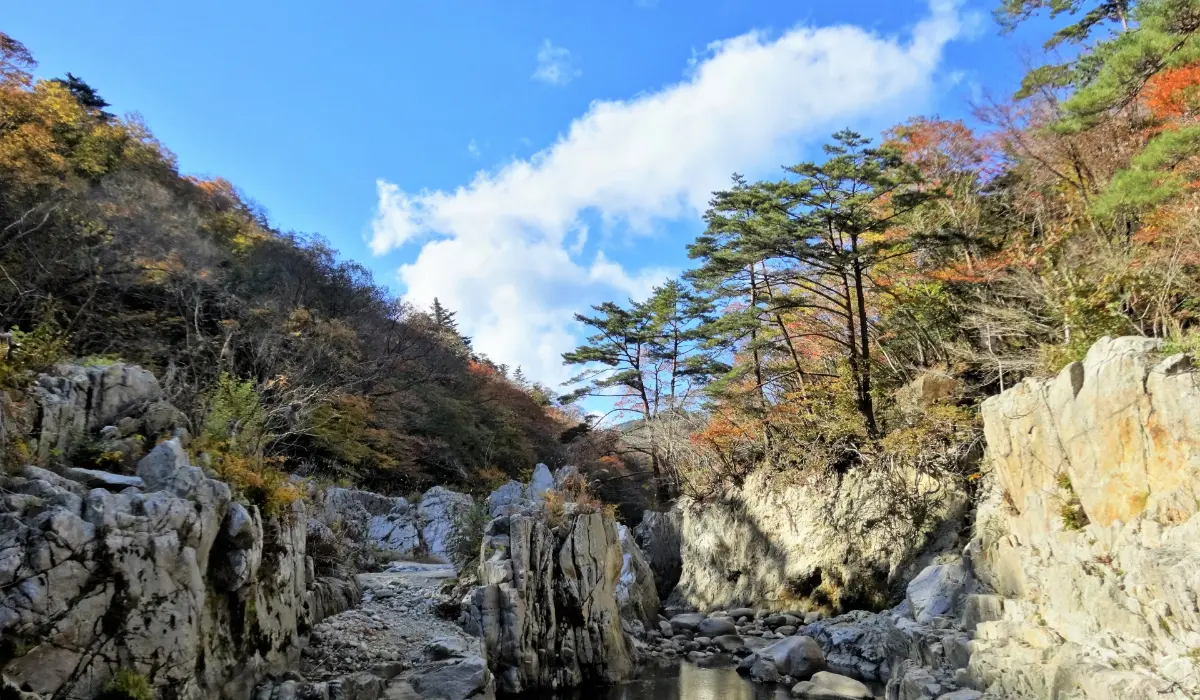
{"type": "Point", "coordinates": [519, 160]}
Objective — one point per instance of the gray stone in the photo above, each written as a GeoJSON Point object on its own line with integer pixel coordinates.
{"type": "Point", "coordinates": [546, 610]}
{"type": "Point", "coordinates": [688, 622]}
{"type": "Point", "coordinates": [541, 482]}
{"type": "Point", "coordinates": [454, 680]}
{"type": "Point", "coordinates": [508, 499]}
{"type": "Point", "coordinates": [165, 468]}
{"type": "Point", "coordinates": [841, 685]}
{"type": "Point", "coordinates": [729, 642]}
{"type": "Point", "coordinates": [799, 657]}
{"type": "Point", "coordinates": [73, 401]}
{"type": "Point", "coordinates": [764, 670]}
{"type": "Point", "coordinates": [936, 591]}
{"type": "Point", "coordinates": [445, 648]}
{"type": "Point", "coordinates": [716, 626]}
{"type": "Point", "coordinates": [94, 478]}
{"type": "Point", "coordinates": [437, 515]}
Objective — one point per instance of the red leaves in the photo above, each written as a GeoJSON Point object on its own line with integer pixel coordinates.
{"type": "Point", "coordinates": [1174, 94]}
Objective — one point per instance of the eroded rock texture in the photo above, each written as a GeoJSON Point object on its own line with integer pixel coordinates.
{"type": "Point", "coordinates": [162, 572]}
{"type": "Point", "coordinates": [837, 541]}
{"type": "Point", "coordinates": [547, 608]}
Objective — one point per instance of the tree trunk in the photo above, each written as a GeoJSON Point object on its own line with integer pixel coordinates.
{"type": "Point", "coordinates": [866, 404]}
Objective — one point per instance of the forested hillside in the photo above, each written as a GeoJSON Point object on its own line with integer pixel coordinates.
{"type": "Point", "coordinates": [926, 268]}
{"type": "Point", "coordinates": [277, 350]}
{"type": "Point", "coordinates": [934, 264]}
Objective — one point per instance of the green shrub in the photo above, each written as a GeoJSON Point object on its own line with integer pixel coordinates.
{"type": "Point", "coordinates": [463, 545]}
{"type": "Point", "coordinates": [127, 685]}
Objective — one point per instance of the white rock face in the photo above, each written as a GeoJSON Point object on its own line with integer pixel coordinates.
{"type": "Point", "coordinates": [1123, 427]}
{"type": "Point", "coordinates": [437, 514]}
{"type": "Point", "coordinates": [397, 530]}
{"type": "Point", "coordinates": [771, 543]}
{"type": "Point", "coordinates": [1109, 609]}
{"type": "Point", "coordinates": [76, 400]}
{"type": "Point", "coordinates": [176, 584]}
{"type": "Point", "coordinates": [387, 523]}
{"type": "Point", "coordinates": [636, 592]}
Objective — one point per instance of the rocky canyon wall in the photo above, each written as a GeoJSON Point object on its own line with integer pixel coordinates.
{"type": "Point", "coordinates": [832, 541]}
{"type": "Point", "coordinates": [1089, 548]}
{"type": "Point", "coordinates": [155, 570]}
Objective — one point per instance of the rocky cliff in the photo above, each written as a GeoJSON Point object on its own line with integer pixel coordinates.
{"type": "Point", "coordinates": [830, 541]}
{"type": "Point", "coordinates": [159, 573]}
{"type": "Point", "coordinates": [1081, 578]}
{"type": "Point", "coordinates": [553, 587]}
{"type": "Point", "coordinates": [1089, 549]}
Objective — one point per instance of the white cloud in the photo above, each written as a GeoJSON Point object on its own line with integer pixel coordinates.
{"type": "Point", "coordinates": [554, 66]}
{"type": "Point", "coordinates": [507, 250]}
{"type": "Point", "coordinates": [473, 148]}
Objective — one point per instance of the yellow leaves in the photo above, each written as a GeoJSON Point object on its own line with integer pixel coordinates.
{"type": "Point", "coordinates": [47, 138]}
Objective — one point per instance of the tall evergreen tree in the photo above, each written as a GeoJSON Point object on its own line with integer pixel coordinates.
{"type": "Point", "coordinates": [86, 95]}
{"type": "Point", "coordinates": [645, 357]}
{"type": "Point", "coordinates": [808, 246]}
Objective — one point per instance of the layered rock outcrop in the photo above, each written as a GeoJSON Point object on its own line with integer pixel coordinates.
{"type": "Point", "coordinates": [392, 524]}
{"type": "Point", "coordinates": [176, 582]}
{"type": "Point", "coordinates": [161, 573]}
{"type": "Point", "coordinates": [547, 606]}
{"type": "Point", "coordinates": [829, 541]}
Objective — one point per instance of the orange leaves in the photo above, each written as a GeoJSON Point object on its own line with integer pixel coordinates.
{"type": "Point", "coordinates": [1173, 94]}
{"type": "Point", "coordinates": [939, 147]}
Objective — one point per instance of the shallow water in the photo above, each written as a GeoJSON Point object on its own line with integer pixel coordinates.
{"type": "Point", "coordinates": [676, 681]}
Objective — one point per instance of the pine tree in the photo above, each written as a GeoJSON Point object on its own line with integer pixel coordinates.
{"type": "Point", "coordinates": [85, 95]}
{"type": "Point", "coordinates": [444, 317]}
{"type": "Point", "coordinates": [807, 247]}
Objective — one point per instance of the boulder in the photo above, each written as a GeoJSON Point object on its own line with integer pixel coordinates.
{"type": "Point", "coordinates": [688, 622]}
{"type": "Point", "coordinates": [728, 643]}
{"type": "Point", "coordinates": [936, 591]}
{"type": "Point", "coordinates": [799, 657]}
{"type": "Point", "coordinates": [764, 670]}
{"type": "Point", "coordinates": [508, 499]}
{"type": "Point", "coordinates": [445, 648]}
{"type": "Point", "coordinates": [716, 626]}
{"type": "Point", "coordinates": [454, 680]}
{"type": "Point", "coordinates": [540, 482]}
{"type": "Point", "coordinates": [842, 686]}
